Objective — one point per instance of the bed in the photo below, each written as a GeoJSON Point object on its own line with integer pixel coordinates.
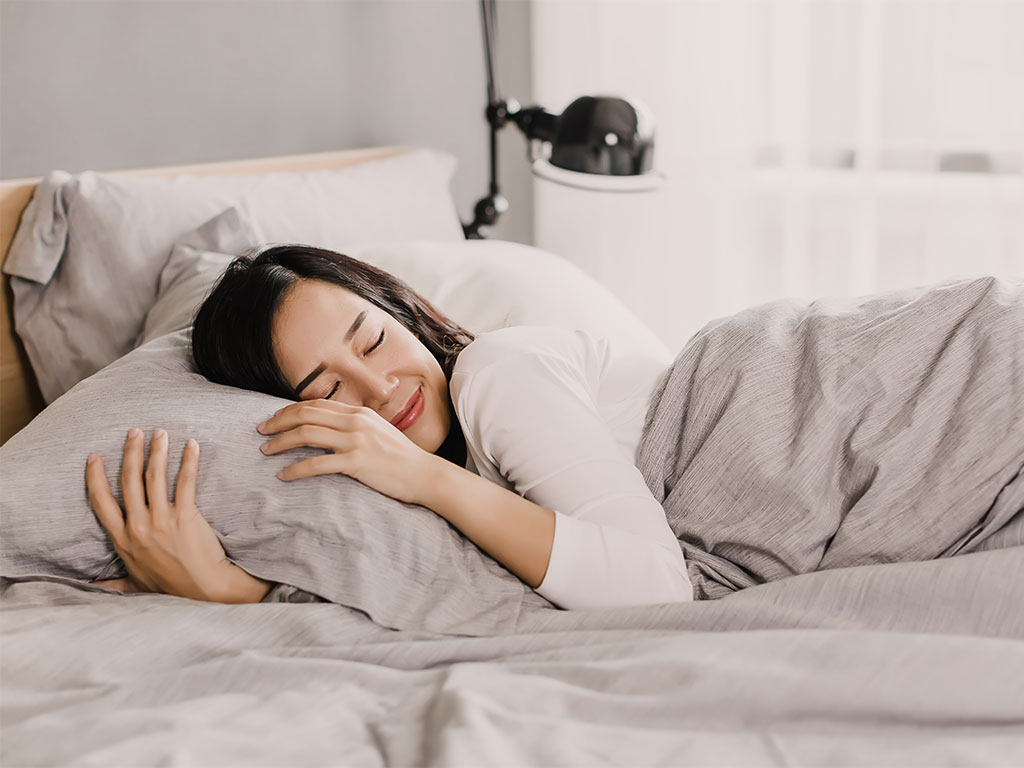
{"type": "Point", "coordinates": [453, 661]}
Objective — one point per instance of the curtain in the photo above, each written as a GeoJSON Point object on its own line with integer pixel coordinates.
{"type": "Point", "coordinates": [812, 147]}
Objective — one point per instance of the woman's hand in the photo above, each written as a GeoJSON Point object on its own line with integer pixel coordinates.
{"type": "Point", "coordinates": [361, 442]}
{"type": "Point", "coordinates": [166, 546]}
{"type": "Point", "coordinates": [121, 585]}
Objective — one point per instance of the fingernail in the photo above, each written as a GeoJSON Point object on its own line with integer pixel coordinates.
{"type": "Point", "coordinates": [280, 475]}
{"type": "Point", "coordinates": [158, 433]}
{"type": "Point", "coordinates": [263, 447]}
{"type": "Point", "coordinates": [191, 443]}
{"type": "Point", "coordinates": [261, 426]}
{"type": "Point", "coordinates": [134, 432]}
{"type": "Point", "coordinates": [92, 458]}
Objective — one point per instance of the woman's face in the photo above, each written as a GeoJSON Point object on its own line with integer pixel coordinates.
{"type": "Point", "coordinates": [331, 343]}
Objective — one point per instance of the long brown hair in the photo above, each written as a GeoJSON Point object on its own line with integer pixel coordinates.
{"type": "Point", "coordinates": [232, 340]}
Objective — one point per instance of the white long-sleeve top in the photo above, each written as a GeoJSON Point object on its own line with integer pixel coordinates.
{"type": "Point", "coordinates": [554, 416]}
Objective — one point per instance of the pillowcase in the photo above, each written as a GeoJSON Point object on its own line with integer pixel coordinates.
{"type": "Point", "coordinates": [196, 262]}
{"type": "Point", "coordinates": [488, 284]}
{"type": "Point", "coordinates": [86, 259]}
{"type": "Point", "coordinates": [481, 284]}
{"type": "Point", "coordinates": [331, 536]}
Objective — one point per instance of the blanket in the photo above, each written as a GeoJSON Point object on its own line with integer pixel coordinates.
{"type": "Point", "coordinates": [795, 437]}
{"type": "Point", "coordinates": [909, 664]}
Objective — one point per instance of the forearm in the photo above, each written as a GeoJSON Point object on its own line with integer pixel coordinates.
{"type": "Point", "coordinates": [513, 530]}
{"type": "Point", "coordinates": [232, 584]}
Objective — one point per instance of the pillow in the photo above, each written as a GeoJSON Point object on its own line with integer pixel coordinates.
{"type": "Point", "coordinates": [87, 257]}
{"type": "Point", "coordinates": [481, 284]}
{"type": "Point", "coordinates": [331, 536]}
{"type": "Point", "coordinates": [196, 262]}
{"type": "Point", "coordinates": [489, 284]}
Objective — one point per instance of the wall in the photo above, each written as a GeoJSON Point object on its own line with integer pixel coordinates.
{"type": "Point", "coordinates": [117, 84]}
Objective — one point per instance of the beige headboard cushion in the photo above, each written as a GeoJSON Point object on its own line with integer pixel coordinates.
{"type": "Point", "coordinates": [20, 399]}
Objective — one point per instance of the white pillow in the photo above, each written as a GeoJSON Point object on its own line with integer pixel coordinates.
{"type": "Point", "coordinates": [87, 257]}
{"type": "Point", "coordinates": [488, 284]}
{"type": "Point", "coordinates": [481, 284]}
{"type": "Point", "coordinates": [197, 260]}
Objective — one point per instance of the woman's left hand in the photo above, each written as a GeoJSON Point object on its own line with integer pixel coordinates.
{"type": "Point", "coordinates": [361, 442]}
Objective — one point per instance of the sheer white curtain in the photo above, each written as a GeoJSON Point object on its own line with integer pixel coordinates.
{"type": "Point", "coordinates": [813, 147]}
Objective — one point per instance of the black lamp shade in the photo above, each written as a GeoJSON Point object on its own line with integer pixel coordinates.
{"type": "Point", "coordinates": [604, 135]}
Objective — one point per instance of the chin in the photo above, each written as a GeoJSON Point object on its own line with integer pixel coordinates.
{"type": "Point", "coordinates": [433, 442]}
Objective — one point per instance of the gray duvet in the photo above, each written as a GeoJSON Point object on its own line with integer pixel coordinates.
{"type": "Point", "coordinates": [876, 618]}
{"type": "Point", "coordinates": [795, 437]}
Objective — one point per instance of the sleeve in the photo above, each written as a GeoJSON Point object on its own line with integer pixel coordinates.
{"type": "Point", "coordinates": [534, 415]}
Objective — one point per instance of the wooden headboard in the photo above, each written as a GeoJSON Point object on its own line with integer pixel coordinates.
{"type": "Point", "coordinates": [20, 399]}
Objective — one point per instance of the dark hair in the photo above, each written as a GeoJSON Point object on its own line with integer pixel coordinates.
{"type": "Point", "coordinates": [232, 341]}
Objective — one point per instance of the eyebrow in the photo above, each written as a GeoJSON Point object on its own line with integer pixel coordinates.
{"type": "Point", "coordinates": [323, 366]}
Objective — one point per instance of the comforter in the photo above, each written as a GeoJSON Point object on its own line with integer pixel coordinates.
{"type": "Point", "coordinates": [797, 437]}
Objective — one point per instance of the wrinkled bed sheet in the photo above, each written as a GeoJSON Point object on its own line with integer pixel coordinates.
{"type": "Point", "coordinates": [910, 664]}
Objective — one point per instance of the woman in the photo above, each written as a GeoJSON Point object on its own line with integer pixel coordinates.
{"type": "Point", "coordinates": [523, 438]}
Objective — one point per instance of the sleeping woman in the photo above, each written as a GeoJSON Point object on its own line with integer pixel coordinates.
{"type": "Point", "coordinates": [598, 477]}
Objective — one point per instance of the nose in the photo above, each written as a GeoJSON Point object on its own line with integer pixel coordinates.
{"type": "Point", "coordinates": [378, 388]}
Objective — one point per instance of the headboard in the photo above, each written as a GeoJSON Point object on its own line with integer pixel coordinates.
{"type": "Point", "coordinates": [20, 399]}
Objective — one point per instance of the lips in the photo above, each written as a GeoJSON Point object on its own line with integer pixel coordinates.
{"type": "Point", "coordinates": [410, 412]}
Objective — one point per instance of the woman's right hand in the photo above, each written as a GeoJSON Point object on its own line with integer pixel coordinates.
{"type": "Point", "coordinates": [121, 585]}
{"type": "Point", "coordinates": [166, 546]}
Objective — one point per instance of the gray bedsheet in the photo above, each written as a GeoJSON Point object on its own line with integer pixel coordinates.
{"type": "Point", "coordinates": [908, 664]}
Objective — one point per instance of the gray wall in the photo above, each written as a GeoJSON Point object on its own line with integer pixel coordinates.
{"type": "Point", "coordinates": [117, 84]}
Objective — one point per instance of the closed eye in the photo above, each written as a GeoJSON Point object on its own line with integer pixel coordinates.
{"type": "Point", "coordinates": [377, 343]}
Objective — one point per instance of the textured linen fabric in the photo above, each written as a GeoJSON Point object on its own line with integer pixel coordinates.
{"type": "Point", "coordinates": [795, 437]}
{"type": "Point", "coordinates": [196, 261]}
{"type": "Point", "coordinates": [555, 416]}
{"type": "Point", "coordinates": [86, 259]}
{"type": "Point", "coordinates": [330, 536]}
{"type": "Point", "coordinates": [908, 664]}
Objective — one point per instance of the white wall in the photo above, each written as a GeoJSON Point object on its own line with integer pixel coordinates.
{"type": "Point", "coordinates": [116, 84]}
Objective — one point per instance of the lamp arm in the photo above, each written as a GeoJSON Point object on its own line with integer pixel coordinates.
{"type": "Point", "coordinates": [534, 122]}
{"type": "Point", "coordinates": [488, 208]}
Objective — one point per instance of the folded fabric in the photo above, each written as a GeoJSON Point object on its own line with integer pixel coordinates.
{"type": "Point", "coordinates": [196, 261]}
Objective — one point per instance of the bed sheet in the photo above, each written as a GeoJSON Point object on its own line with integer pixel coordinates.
{"type": "Point", "coordinates": [901, 664]}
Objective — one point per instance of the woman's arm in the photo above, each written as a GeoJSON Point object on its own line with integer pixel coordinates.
{"type": "Point", "coordinates": [235, 585]}
{"type": "Point", "coordinates": [231, 585]}
{"type": "Point", "coordinates": [511, 529]}
{"type": "Point", "coordinates": [515, 531]}
{"type": "Point", "coordinates": [528, 398]}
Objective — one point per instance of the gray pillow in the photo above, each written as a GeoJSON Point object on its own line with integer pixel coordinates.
{"type": "Point", "coordinates": [86, 258]}
{"type": "Point", "coordinates": [402, 564]}
{"type": "Point", "coordinates": [196, 261]}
